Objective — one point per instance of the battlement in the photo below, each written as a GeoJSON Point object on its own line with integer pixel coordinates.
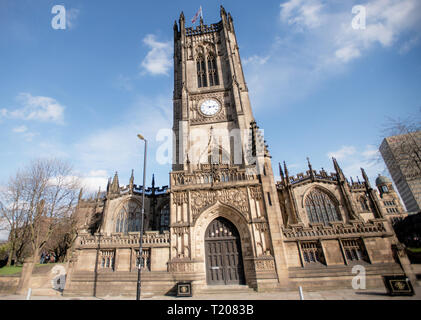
{"type": "Point", "coordinates": [138, 190]}
{"type": "Point", "coordinates": [203, 29]}
{"type": "Point", "coordinates": [337, 229]}
{"type": "Point", "coordinates": [211, 174]}
{"type": "Point", "coordinates": [357, 186]}
{"type": "Point", "coordinates": [321, 175]}
{"type": "Point", "coordinates": [149, 239]}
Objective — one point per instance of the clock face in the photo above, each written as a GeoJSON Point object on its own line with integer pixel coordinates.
{"type": "Point", "coordinates": [210, 107]}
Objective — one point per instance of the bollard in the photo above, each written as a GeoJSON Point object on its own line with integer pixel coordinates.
{"type": "Point", "coordinates": [28, 297]}
{"type": "Point", "coordinates": [301, 293]}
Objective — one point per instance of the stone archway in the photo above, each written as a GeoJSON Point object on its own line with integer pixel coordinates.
{"type": "Point", "coordinates": [224, 261]}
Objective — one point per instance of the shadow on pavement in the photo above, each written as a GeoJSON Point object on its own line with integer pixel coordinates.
{"type": "Point", "coordinates": [372, 293]}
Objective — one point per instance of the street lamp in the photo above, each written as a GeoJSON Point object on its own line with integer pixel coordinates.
{"type": "Point", "coordinates": [141, 221]}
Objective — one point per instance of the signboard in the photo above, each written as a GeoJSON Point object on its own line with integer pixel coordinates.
{"type": "Point", "coordinates": [184, 289]}
{"type": "Point", "coordinates": [398, 286]}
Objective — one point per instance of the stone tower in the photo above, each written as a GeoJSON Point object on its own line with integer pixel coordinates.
{"type": "Point", "coordinates": [225, 212]}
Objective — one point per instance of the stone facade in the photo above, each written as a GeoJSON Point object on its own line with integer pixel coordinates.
{"type": "Point", "coordinates": [401, 155]}
{"type": "Point", "coordinates": [307, 230]}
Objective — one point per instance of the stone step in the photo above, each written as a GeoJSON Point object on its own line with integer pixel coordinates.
{"type": "Point", "coordinates": [225, 289]}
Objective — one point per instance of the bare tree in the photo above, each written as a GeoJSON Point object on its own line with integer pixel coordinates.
{"type": "Point", "coordinates": [40, 198]}
{"type": "Point", "coordinates": [404, 145]}
{"type": "Point", "coordinates": [13, 216]}
{"type": "Point", "coordinates": [62, 239]}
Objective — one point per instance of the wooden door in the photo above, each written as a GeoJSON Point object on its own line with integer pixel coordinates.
{"type": "Point", "coordinates": [224, 264]}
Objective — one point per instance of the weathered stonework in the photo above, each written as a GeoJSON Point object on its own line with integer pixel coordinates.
{"type": "Point", "coordinates": [307, 230]}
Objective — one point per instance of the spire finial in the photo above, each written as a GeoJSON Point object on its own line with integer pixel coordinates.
{"type": "Point", "coordinates": [153, 181]}
{"type": "Point", "coordinates": [115, 186]}
{"type": "Point", "coordinates": [286, 170]}
{"type": "Point", "coordinates": [310, 168]}
{"type": "Point", "coordinates": [98, 194]}
{"type": "Point", "coordinates": [367, 182]}
{"type": "Point", "coordinates": [309, 164]}
{"type": "Point", "coordinates": [281, 173]}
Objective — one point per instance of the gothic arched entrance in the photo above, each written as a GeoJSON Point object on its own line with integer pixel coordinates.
{"type": "Point", "coordinates": [224, 263]}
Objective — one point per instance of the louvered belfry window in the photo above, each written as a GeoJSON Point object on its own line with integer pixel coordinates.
{"type": "Point", "coordinates": [213, 71]}
{"type": "Point", "coordinates": [201, 72]}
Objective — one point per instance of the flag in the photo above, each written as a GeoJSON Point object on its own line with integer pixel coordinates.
{"type": "Point", "coordinates": [197, 15]}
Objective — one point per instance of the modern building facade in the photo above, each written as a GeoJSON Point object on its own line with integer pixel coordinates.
{"type": "Point", "coordinates": [402, 155]}
{"type": "Point", "coordinates": [223, 220]}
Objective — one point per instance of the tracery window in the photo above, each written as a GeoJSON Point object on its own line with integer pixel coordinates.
{"type": "Point", "coordinates": [107, 259]}
{"type": "Point", "coordinates": [146, 259]}
{"type": "Point", "coordinates": [363, 203]}
{"type": "Point", "coordinates": [165, 218]}
{"type": "Point", "coordinates": [201, 72]}
{"type": "Point", "coordinates": [354, 250]}
{"type": "Point", "coordinates": [321, 208]}
{"type": "Point", "coordinates": [312, 252]}
{"type": "Point", "coordinates": [128, 219]}
{"type": "Point", "coordinates": [212, 71]}
{"type": "Point", "coordinates": [218, 156]}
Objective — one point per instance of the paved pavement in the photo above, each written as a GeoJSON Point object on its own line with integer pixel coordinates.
{"type": "Point", "coordinates": [348, 294]}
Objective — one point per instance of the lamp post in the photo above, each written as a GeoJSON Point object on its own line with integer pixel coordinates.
{"type": "Point", "coordinates": [141, 221]}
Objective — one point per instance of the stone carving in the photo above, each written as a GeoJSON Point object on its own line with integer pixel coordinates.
{"type": "Point", "coordinates": [334, 230]}
{"type": "Point", "coordinates": [180, 266]}
{"type": "Point", "coordinates": [179, 198]}
{"type": "Point", "coordinates": [264, 264]}
{"type": "Point", "coordinates": [256, 193]}
{"type": "Point", "coordinates": [233, 197]}
{"type": "Point", "coordinates": [262, 226]}
{"type": "Point", "coordinates": [181, 230]}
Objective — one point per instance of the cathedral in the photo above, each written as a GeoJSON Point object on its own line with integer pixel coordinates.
{"type": "Point", "coordinates": [224, 223]}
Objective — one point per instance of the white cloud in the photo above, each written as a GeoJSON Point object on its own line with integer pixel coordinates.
{"type": "Point", "coordinates": [71, 17]}
{"type": "Point", "coordinates": [37, 108]}
{"type": "Point", "coordinates": [347, 53]}
{"type": "Point", "coordinates": [306, 13]}
{"type": "Point", "coordinates": [371, 152]}
{"type": "Point", "coordinates": [386, 22]}
{"type": "Point", "coordinates": [20, 129]}
{"type": "Point", "coordinates": [23, 130]}
{"type": "Point", "coordinates": [4, 235]}
{"type": "Point", "coordinates": [117, 147]}
{"type": "Point", "coordinates": [352, 159]}
{"type": "Point", "coordinates": [342, 153]}
{"type": "Point", "coordinates": [302, 61]}
{"type": "Point", "coordinates": [158, 59]}
{"type": "Point", "coordinates": [255, 59]}
{"type": "Point", "coordinates": [94, 180]}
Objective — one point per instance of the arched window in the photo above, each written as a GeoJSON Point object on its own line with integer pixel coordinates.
{"type": "Point", "coordinates": [164, 219]}
{"type": "Point", "coordinates": [321, 208]}
{"type": "Point", "coordinates": [128, 219]}
{"type": "Point", "coordinates": [212, 71]}
{"type": "Point", "coordinates": [201, 72]}
{"type": "Point", "coordinates": [218, 156]}
{"type": "Point", "coordinates": [364, 205]}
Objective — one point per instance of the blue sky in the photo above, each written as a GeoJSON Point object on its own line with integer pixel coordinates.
{"type": "Point", "coordinates": [318, 88]}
